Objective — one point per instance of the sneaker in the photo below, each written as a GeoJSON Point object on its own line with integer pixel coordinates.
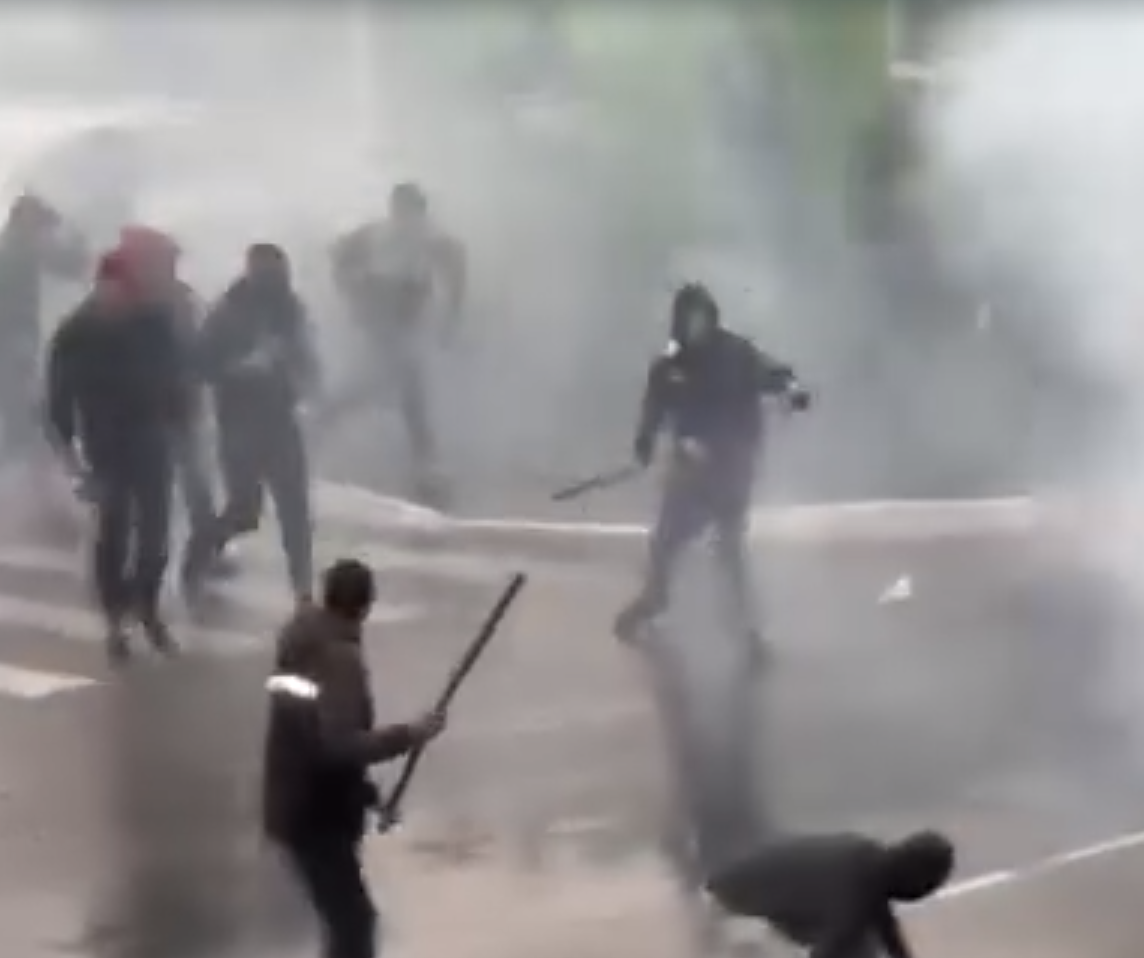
{"type": "Point", "coordinates": [635, 623]}
{"type": "Point", "coordinates": [193, 573]}
{"type": "Point", "coordinates": [159, 635]}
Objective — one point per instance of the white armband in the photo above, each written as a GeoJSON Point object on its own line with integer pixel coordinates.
{"type": "Point", "coordinates": [293, 686]}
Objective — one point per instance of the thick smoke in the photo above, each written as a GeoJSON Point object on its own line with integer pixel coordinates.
{"type": "Point", "coordinates": [587, 166]}
{"type": "Point", "coordinates": [1036, 143]}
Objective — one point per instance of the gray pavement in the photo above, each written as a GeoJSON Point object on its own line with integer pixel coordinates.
{"type": "Point", "coordinates": [981, 683]}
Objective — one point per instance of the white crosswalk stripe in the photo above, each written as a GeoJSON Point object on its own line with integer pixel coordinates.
{"type": "Point", "coordinates": [44, 592]}
{"type": "Point", "coordinates": [38, 683]}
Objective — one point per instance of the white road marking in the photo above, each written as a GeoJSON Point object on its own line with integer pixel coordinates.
{"type": "Point", "coordinates": [908, 519]}
{"type": "Point", "coordinates": [1009, 877]}
{"type": "Point", "coordinates": [35, 684]}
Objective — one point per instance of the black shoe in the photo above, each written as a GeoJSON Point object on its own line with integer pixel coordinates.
{"type": "Point", "coordinates": [157, 633]}
{"type": "Point", "coordinates": [117, 644]}
{"type": "Point", "coordinates": [635, 624]}
{"type": "Point", "coordinates": [193, 573]}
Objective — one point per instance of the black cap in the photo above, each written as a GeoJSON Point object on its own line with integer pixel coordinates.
{"type": "Point", "coordinates": [348, 588]}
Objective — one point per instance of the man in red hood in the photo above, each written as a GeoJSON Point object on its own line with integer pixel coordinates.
{"type": "Point", "coordinates": [154, 252]}
{"type": "Point", "coordinates": [117, 392]}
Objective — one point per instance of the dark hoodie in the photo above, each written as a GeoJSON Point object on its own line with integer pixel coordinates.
{"type": "Point", "coordinates": [117, 384]}
{"type": "Point", "coordinates": [834, 894]}
{"type": "Point", "coordinates": [321, 738]}
{"type": "Point", "coordinates": [255, 351]}
{"type": "Point", "coordinates": [710, 391]}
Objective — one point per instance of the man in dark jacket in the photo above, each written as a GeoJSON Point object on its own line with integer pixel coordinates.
{"type": "Point", "coordinates": [708, 391]}
{"type": "Point", "coordinates": [116, 394]}
{"type": "Point", "coordinates": [401, 279]}
{"type": "Point", "coordinates": [321, 741]}
{"type": "Point", "coordinates": [154, 256]}
{"type": "Point", "coordinates": [834, 895]}
{"type": "Point", "coordinates": [255, 352]}
{"type": "Point", "coordinates": [33, 245]}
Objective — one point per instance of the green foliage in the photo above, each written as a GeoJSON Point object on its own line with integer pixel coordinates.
{"type": "Point", "coordinates": [646, 72]}
{"type": "Point", "coordinates": [838, 53]}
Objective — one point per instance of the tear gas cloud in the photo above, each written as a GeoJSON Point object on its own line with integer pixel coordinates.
{"type": "Point", "coordinates": [1035, 147]}
{"type": "Point", "coordinates": [590, 157]}
{"type": "Point", "coordinates": [593, 161]}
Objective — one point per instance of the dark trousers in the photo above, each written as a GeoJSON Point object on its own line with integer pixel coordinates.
{"type": "Point", "coordinates": [193, 480]}
{"type": "Point", "coordinates": [259, 456]}
{"type": "Point", "coordinates": [397, 366]}
{"type": "Point", "coordinates": [133, 523]}
{"type": "Point", "coordinates": [697, 498]}
{"type": "Point", "coordinates": [330, 873]}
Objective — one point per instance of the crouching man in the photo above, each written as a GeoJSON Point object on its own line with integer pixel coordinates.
{"type": "Point", "coordinates": [834, 895]}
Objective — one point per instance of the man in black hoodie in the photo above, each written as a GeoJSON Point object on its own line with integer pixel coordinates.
{"type": "Point", "coordinates": [320, 744]}
{"type": "Point", "coordinates": [707, 390]}
{"type": "Point", "coordinates": [834, 894]}
{"type": "Point", "coordinates": [117, 392]}
{"type": "Point", "coordinates": [256, 354]}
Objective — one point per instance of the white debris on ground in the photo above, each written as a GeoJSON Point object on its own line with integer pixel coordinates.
{"type": "Point", "coordinates": [900, 590]}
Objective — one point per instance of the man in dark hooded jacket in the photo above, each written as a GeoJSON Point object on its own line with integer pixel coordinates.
{"type": "Point", "coordinates": [834, 895]}
{"type": "Point", "coordinates": [256, 354]}
{"type": "Point", "coordinates": [117, 391]}
{"type": "Point", "coordinates": [321, 742]}
{"type": "Point", "coordinates": [708, 391]}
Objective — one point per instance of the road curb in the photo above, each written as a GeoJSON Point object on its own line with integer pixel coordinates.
{"type": "Point", "coordinates": [358, 513]}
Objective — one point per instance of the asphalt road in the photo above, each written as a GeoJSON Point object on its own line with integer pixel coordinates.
{"type": "Point", "coordinates": [985, 684]}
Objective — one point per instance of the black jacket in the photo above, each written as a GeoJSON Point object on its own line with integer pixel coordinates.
{"type": "Point", "coordinates": [320, 739]}
{"type": "Point", "coordinates": [827, 893]}
{"type": "Point", "coordinates": [255, 350]}
{"type": "Point", "coordinates": [712, 394]}
{"type": "Point", "coordinates": [117, 384]}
